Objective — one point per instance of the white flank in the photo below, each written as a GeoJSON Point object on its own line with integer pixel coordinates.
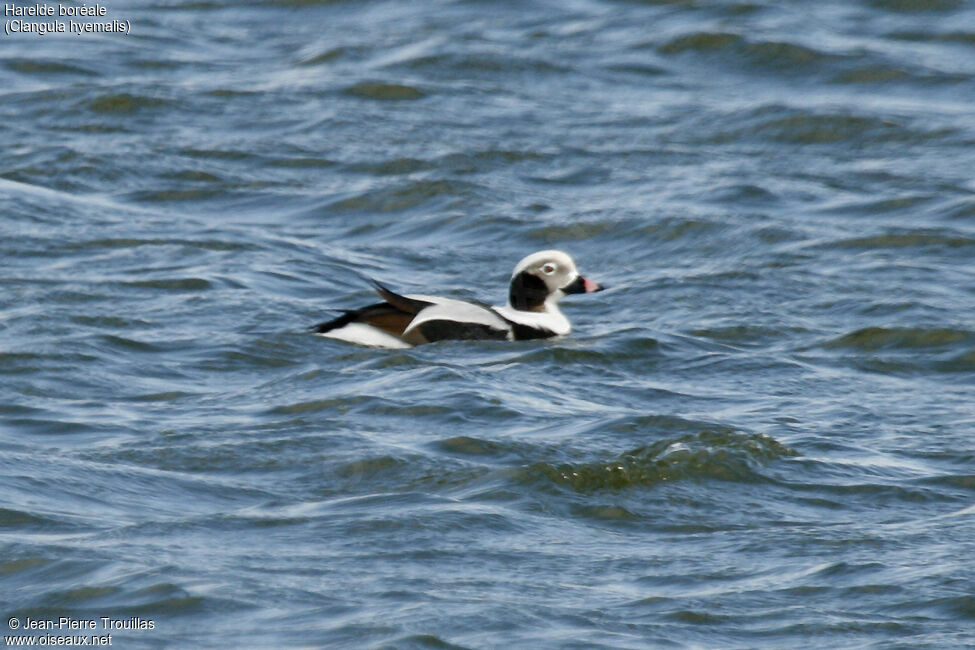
{"type": "Point", "coordinates": [458, 311]}
{"type": "Point", "coordinates": [365, 334]}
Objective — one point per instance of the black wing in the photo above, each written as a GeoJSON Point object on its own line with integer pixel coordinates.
{"type": "Point", "coordinates": [451, 330]}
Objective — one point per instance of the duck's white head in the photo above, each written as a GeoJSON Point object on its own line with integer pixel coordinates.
{"type": "Point", "coordinates": [543, 278]}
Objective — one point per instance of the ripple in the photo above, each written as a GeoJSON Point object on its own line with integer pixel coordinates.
{"type": "Point", "coordinates": [326, 56]}
{"type": "Point", "coordinates": [487, 160]}
{"type": "Point", "coordinates": [917, 6]}
{"type": "Point", "coordinates": [905, 204]}
{"type": "Point", "coordinates": [481, 64]}
{"type": "Point", "coordinates": [912, 239]}
{"type": "Point", "coordinates": [748, 335]}
{"type": "Point", "coordinates": [402, 197]}
{"type": "Point", "coordinates": [963, 208]}
{"type": "Point", "coordinates": [570, 232]}
{"type": "Point", "coordinates": [341, 404]}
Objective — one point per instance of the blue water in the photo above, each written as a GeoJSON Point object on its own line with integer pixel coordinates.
{"type": "Point", "coordinates": [761, 436]}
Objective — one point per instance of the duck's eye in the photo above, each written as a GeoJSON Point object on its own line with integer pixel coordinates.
{"type": "Point", "coordinates": [548, 269]}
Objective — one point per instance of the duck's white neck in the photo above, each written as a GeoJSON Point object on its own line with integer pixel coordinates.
{"type": "Point", "coordinates": [549, 318]}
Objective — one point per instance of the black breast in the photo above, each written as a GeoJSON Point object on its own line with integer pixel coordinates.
{"type": "Point", "coordinates": [525, 332]}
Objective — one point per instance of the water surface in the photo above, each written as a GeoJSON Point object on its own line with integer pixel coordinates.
{"type": "Point", "coordinates": [760, 436]}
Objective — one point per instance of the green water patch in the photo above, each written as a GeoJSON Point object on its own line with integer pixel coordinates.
{"type": "Point", "coordinates": [485, 451]}
{"type": "Point", "coordinates": [166, 396]}
{"type": "Point", "coordinates": [404, 474]}
{"type": "Point", "coordinates": [217, 154]}
{"type": "Point", "coordinates": [302, 162]}
{"type": "Point", "coordinates": [701, 42]}
{"type": "Point", "coordinates": [134, 242]}
{"type": "Point", "coordinates": [791, 58]}
{"type": "Point", "coordinates": [128, 344]}
{"type": "Point", "coordinates": [706, 455]}
{"type": "Point", "coordinates": [192, 175]}
{"type": "Point", "coordinates": [827, 128]}
{"type": "Point", "coordinates": [960, 37]}
{"type": "Point", "coordinates": [124, 103]}
{"type": "Point", "coordinates": [468, 446]}
{"type": "Point", "coordinates": [482, 64]}
{"type": "Point", "coordinates": [938, 240]}
{"type": "Point", "coordinates": [41, 67]}
{"type": "Point", "coordinates": [906, 350]}
{"type": "Point", "coordinates": [109, 321]}
{"type": "Point", "coordinates": [871, 74]}
{"type": "Point", "coordinates": [171, 284]}
{"type": "Point", "coordinates": [824, 127]}
{"type": "Point", "coordinates": [642, 69]}
{"type": "Point", "coordinates": [335, 404]}
{"type": "Point", "coordinates": [746, 335]}
{"type": "Point", "coordinates": [380, 91]}
{"type": "Point", "coordinates": [392, 167]}
{"type": "Point", "coordinates": [18, 519]}
{"type": "Point", "coordinates": [8, 567]}
{"type": "Point", "coordinates": [903, 338]}
{"type": "Point", "coordinates": [771, 55]}
{"type": "Point", "coordinates": [742, 194]}
{"type": "Point", "coordinates": [191, 194]}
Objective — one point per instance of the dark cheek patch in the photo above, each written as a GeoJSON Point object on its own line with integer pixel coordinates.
{"type": "Point", "coordinates": [528, 292]}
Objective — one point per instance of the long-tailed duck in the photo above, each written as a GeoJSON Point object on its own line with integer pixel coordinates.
{"type": "Point", "coordinates": [539, 281]}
